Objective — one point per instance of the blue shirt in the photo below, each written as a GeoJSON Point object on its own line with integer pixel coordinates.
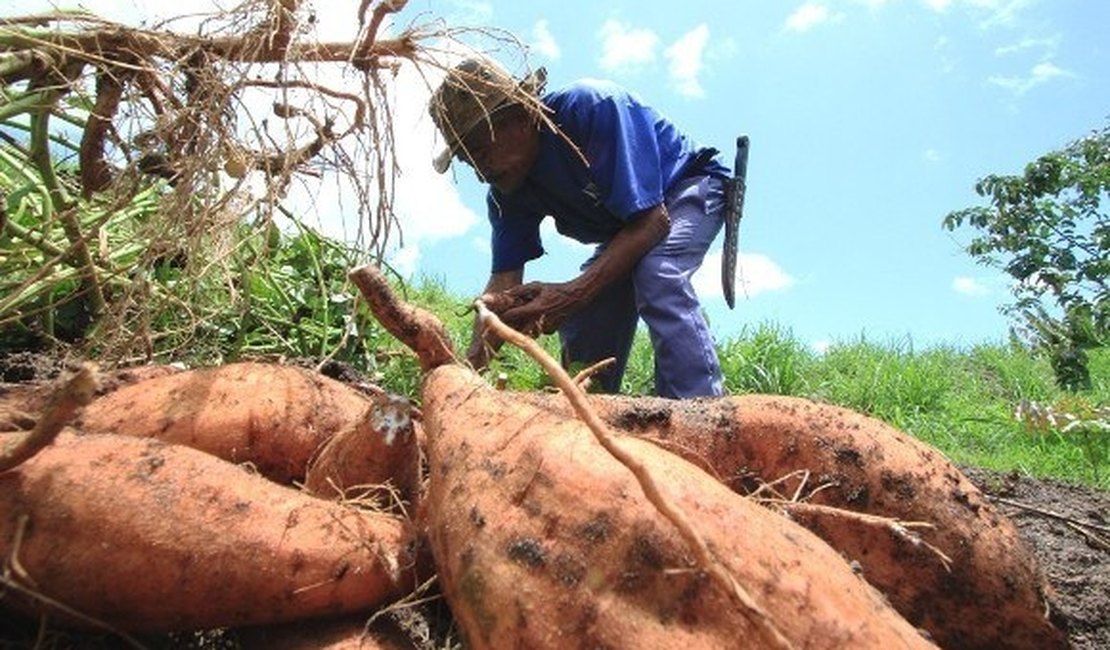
{"type": "Point", "coordinates": [634, 156]}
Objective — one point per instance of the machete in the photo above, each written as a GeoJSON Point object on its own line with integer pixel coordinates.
{"type": "Point", "coordinates": [734, 209]}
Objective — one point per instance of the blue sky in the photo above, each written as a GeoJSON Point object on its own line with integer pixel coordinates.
{"type": "Point", "coordinates": [869, 121]}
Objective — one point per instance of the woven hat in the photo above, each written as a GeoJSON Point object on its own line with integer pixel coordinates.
{"type": "Point", "coordinates": [473, 92]}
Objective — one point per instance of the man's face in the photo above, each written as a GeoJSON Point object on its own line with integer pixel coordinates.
{"type": "Point", "coordinates": [502, 152]}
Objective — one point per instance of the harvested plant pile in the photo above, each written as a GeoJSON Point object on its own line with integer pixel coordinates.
{"type": "Point", "coordinates": [158, 182]}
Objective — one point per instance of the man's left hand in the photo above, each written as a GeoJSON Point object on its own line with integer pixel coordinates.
{"type": "Point", "coordinates": [539, 307]}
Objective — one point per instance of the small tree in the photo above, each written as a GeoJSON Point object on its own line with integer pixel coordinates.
{"type": "Point", "coordinates": [1048, 229]}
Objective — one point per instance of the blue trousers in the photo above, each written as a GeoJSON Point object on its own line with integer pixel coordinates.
{"type": "Point", "coordinates": [658, 291]}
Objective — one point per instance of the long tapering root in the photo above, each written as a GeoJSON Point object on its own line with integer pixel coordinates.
{"type": "Point", "coordinates": [417, 328]}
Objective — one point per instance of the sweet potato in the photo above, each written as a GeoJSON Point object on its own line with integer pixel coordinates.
{"type": "Point", "coordinates": [272, 416]}
{"type": "Point", "coordinates": [149, 537]}
{"type": "Point", "coordinates": [375, 454]}
{"type": "Point", "coordinates": [543, 540]}
{"type": "Point", "coordinates": [989, 594]}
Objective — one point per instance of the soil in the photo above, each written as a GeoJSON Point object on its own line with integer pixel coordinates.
{"type": "Point", "coordinates": [1067, 527]}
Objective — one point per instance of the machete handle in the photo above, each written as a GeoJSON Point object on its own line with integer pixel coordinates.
{"type": "Point", "coordinates": [740, 169]}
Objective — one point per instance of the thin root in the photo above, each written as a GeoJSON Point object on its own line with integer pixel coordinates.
{"type": "Point", "coordinates": [586, 373]}
{"type": "Point", "coordinates": [900, 529]}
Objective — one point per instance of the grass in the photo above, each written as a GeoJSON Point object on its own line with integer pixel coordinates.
{"type": "Point", "coordinates": [989, 405]}
{"type": "Point", "coordinates": [967, 403]}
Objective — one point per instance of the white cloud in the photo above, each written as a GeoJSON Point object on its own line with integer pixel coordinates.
{"type": "Point", "coordinates": [938, 6]}
{"type": "Point", "coordinates": [1047, 45]}
{"type": "Point", "coordinates": [943, 48]}
{"type": "Point", "coordinates": [543, 41]}
{"type": "Point", "coordinates": [550, 235]}
{"type": "Point", "coordinates": [932, 156]}
{"type": "Point", "coordinates": [969, 286]}
{"type": "Point", "coordinates": [1000, 12]}
{"type": "Point", "coordinates": [1039, 74]}
{"type": "Point", "coordinates": [474, 12]}
{"type": "Point", "coordinates": [624, 47]}
{"type": "Point", "coordinates": [1048, 70]}
{"type": "Point", "coordinates": [807, 16]}
{"type": "Point", "coordinates": [405, 260]}
{"type": "Point", "coordinates": [427, 204]}
{"type": "Point", "coordinates": [755, 274]}
{"type": "Point", "coordinates": [686, 61]}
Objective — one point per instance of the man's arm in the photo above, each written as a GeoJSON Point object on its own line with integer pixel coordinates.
{"type": "Point", "coordinates": [547, 305]}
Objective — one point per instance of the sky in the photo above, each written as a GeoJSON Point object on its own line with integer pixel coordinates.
{"type": "Point", "coordinates": [869, 120]}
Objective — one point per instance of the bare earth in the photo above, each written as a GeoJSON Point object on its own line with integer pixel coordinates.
{"type": "Point", "coordinates": [1068, 528]}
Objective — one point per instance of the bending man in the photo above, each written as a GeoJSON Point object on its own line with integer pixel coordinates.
{"type": "Point", "coordinates": [610, 171]}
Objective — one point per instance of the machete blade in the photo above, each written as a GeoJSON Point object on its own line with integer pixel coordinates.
{"type": "Point", "coordinates": [734, 210]}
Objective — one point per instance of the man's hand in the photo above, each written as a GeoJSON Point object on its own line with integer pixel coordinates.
{"type": "Point", "coordinates": [542, 307]}
{"type": "Point", "coordinates": [537, 307]}
{"type": "Point", "coordinates": [484, 344]}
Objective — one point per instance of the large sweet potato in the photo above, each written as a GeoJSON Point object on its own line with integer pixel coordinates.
{"type": "Point", "coordinates": [991, 593]}
{"type": "Point", "coordinates": [272, 416]}
{"type": "Point", "coordinates": [146, 536]}
{"type": "Point", "coordinates": [543, 540]}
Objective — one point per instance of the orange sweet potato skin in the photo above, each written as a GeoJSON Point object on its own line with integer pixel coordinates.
{"type": "Point", "coordinates": [272, 416]}
{"type": "Point", "coordinates": [150, 538]}
{"type": "Point", "coordinates": [378, 456]}
{"type": "Point", "coordinates": [543, 540]}
{"type": "Point", "coordinates": [994, 595]}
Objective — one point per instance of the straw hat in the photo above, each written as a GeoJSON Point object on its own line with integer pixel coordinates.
{"type": "Point", "coordinates": [473, 92]}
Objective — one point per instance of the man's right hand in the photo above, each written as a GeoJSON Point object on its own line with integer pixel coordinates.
{"type": "Point", "coordinates": [479, 354]}
{"type": "Point", "coordinates": [481, 350]}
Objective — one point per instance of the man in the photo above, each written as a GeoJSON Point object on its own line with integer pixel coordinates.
{"type": "Point", "coordinates": [611, 171]}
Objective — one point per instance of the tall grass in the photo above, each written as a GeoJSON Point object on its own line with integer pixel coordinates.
{"type": "Point", "coordinates": [973, 404]}
{"type": "Point", "coordinates": [286, 296]}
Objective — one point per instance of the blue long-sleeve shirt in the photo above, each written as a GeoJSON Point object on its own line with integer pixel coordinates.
{"type": "Point", "coordinates": [633, 155]}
